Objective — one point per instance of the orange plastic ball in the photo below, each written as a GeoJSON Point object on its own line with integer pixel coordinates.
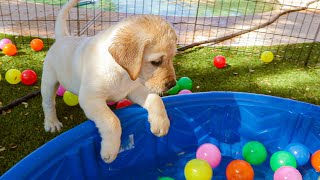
{"type": "Point", "coordinates": [36, 44]}
{"type": "Point", "coordinates": [315, 160]}
{"type": "Point", "coordinates": [9, 49]}
{"type": "Point", "coordinates": [239, 170]}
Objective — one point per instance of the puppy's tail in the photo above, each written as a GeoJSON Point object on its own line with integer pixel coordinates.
{"type": "Point", "coordinates": [61, 27]}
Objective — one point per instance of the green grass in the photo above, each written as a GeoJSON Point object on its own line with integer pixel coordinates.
{"type": "Point", "coordinates": [22, 127]}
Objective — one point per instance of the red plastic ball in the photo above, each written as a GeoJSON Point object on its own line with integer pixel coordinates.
{"type": "Point", "coordinates": [239, 170]}
{"type": "Point", "coordinates": [36, 44]}
{"type": "Point", "coordinates": [219, 61]}
{"type": "Point", "coordinates": [123, 103]}
{"type": "Point", "coordinates": [28, 77]}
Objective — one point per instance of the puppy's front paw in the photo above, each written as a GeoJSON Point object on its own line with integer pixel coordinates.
{"type": "Point", "coordinates": [52, 126]}
{"type": "Point", "coordinates": [109, 150]}
{"type": "Point", "coordinates": [159, 125]}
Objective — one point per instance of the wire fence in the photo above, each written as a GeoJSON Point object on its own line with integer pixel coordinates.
{"type": "Point", "coordinates": [193, 20]}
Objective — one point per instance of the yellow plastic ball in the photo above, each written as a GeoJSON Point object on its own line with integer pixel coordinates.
{"type": "Point", "coordinates": [267, 56]}
{"type": "Point", "coordinates": [13, 76]}
{"type": "Point", "coordinates": [70, 99]}
{"type": "Point", "coordinates": [197, 169]}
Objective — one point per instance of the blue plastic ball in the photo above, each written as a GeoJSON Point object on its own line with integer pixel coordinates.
{"type": "Point", "coordinates": [300, 153]}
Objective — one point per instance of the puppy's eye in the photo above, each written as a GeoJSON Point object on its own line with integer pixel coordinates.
{"type": "Point", "coordinates": [156, 63]}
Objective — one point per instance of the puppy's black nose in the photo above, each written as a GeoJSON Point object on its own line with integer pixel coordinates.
{"type": "Point", "coordinates": [170, 84]}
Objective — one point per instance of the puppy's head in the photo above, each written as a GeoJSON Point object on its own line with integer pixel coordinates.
{"type": "Point", "coordinates": [145, 46]}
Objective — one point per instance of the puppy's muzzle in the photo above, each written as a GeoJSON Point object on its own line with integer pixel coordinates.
{"type": "Point", "coordinates": [170, 84]}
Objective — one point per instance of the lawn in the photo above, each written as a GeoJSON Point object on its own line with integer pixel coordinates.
{"type": "Point", "coordinates": [21, 128]}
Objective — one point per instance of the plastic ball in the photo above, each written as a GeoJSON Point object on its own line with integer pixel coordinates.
{"type": "Point", "coordinates": [9, 49]}
{"type": "Point", "coordinates": [300, 153]}
{"type": "Point", "coordinates": [239, 170]}
{"type": "Point", "coordinates": [174, 90]}
{"type": "Point", "coordinates": [282, 158]}
{"type": "Point", "coordinates": [165, 178]}
{"type": "Point", "coordinates": [197, 169]}
{"type": "Point", "coordinates": [61, 90]}
{"type": "Point", "coordinates": [209, 153]}
{"type": "Point", "coordinates": [254, 152]}
{"type": "Point", "coordinates": [13, 76]}
{"type": "Point", "coordinates": [28, 77]}
{"type": "Point", "coordinates": [315, 160]}
{"type": "Point", "coordinates": [4, 42]}
{"type": "Point", "coordinates": [267, 56]}
{"type": "Point", "coordinates": [123, 103]}
{"type": "Point", "coordinates": [36, 44]}
{"type": "Point", "coordinates": [111, 103]}
{"type": "Point", "coordinates": [287, 173]}
{"type": "Point", "coordinates": [219, 61]}
{"type": "Point", "coordinates": [70, 99]}
{"type": "Point", "coordinates": [185, 91]}
{"type": "Point", "coordinates": [185, 83]}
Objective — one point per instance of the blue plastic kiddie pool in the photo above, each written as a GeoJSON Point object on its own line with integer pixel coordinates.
{"type": "Point", "coordinates": [226, 119]}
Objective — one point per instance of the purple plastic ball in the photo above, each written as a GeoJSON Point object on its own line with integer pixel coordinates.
{"type": "Point", "coordinates": [61, 90]}
{"type": "Point", "coordinates": [185, 91]}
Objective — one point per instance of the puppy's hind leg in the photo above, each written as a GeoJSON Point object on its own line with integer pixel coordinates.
{"type": "Point", "coordinates": [49, 86]}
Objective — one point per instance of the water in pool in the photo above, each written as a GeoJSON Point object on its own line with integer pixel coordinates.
{"type": "Point", "coordinates": [185, 8]}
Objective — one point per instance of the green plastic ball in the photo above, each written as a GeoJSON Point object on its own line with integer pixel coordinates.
{"type": "Point", "coordinates": [282, 158]}
{"type": "Point", "coordinates": [70, 99]}
{"type": "Point", "coordinates": [174, 90]}
{"type": "Point", "coordinates": [197, 169]}
{"type": "Point", "coordinates": [13, 76]}
{"type": "Point", "coordinates": [165, 178]}
{"type": "Point", "coordinates": [254, 152]}
{"type": "Point", "coordinates": [185, 83]}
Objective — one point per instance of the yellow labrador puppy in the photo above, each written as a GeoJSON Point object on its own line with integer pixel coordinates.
{"type": "Point", "coordinates": [131, 60]}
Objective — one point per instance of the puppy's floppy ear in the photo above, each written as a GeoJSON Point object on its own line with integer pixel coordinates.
{"type": "Point", "coordinates": [127, 49]}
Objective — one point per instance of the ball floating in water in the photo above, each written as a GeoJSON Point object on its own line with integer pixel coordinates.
{"type": "Point", "coordinates": [123, 103]}
{"type": "Point", "coordinates": [282, 158]}
{"type": "Point", "coordinates": [185, 83]}
{"type": "Point", "coordinates": [13, 76]}
{"type": "Point", "coordinates": [36, 44]}
{"type": "Point", "coordinates": [300, 152]}
{"type": "Point", "coordinates": [315, 160]}
{"type": "Point", "coordinates": [185, 91]}
{"type": "Point", "coordinates": [267, 56]}
{"type": "Point", "coordinates": [165, 178]}
{"type": "Point", "coordinates": [210, 153]}
{"type": "Point", "coordinates": [28, 77]}
{"type": "Point", "coordinates": [287, 173]}
{"type": "Point", "coordinates": [70, 99]}
{"type": "Point", "coordinates": [239, 170]}
{"type": "Point", "coordinates": [4, 42]}
{"type": "Point", "coordinates": [219, 61]}
{"type": "Point", "coordinates": [174, 90]}
{"type": "Point", "coordinates": [197, 169]}
{"type": "Point", "coordinates": [61, 90]}
{"type": "Point", "coordinates": [254, 152]}
{"type": "Point", "coordinates": [9, 49]}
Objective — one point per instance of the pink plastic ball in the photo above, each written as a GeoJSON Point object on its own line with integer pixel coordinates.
{"type": "Point", "coordinates": [61, 90]}
{"type": "Point", "coordinates": [209, 153]}
{"type": "Point", "coordinates": [185, 91]}
{"type": "Point", "coordinates": [4, 42]}
{"type": "Point", "coordinates": [286, 173]}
